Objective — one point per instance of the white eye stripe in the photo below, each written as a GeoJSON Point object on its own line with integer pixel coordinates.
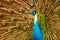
{"type": "Point", "coordinates": [35, 18]}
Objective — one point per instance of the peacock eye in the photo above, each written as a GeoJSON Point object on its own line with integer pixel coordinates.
{"type": "Point", "coordinates": [51, 3]}
{"type": "Point", "coordinates": [54, 21]}
{"type": "Point", "coordinates": [59, 2]}
{"type": "Point", "coordinates": [56, 30]}
{"type": "Point", "coordinates": [1, 15]}
{"type": "Point", "coordinates": [9, 29]}
{"type": "Point", "coordinates": [33, 1]}
{"type": "Point", "coordinates": [4, 22]}
{"type": "Point", "coordinates": [58, 14]}
{"type": "Point", "coordinates": [2, 35]}
{"type": "Point", "coordinates": [10, 10]}
{"type": "Point", "coordinates": [9, 1]}
{"type": "Point", "coordinates": [47, 20]}
{"type": "Point", "coordinates": [24, 17]}
{"type": "Point", "coordinates": [18, 25]}
{"type": "Point", "coordinates": [45, 9]}
{"type": "Point", "coordinates": [49, 25]}
{"type": "Point", "coordinates": [30, 22]}
{"type": "Point", "coordinates": [13, 19]}
{"type": "Point", "coordinates": [22, 10]}
{"type": "Point", "coordinates": [24, 28]}
{"type": "Point", "coordinates": [51, 12]}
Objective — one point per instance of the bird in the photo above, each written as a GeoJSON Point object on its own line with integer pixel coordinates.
{"type": "Point", "coordinates": [17, 19]}
{"type": "Point", "coordinates": [48, 18]}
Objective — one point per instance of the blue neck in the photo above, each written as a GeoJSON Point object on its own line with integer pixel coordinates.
{"type": "Point", "coordinates": [38, 35]}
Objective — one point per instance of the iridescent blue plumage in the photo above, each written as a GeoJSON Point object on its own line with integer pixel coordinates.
{"type": "Point", "coordinates": [38, 35]}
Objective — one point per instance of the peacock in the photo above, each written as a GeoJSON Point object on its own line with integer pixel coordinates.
{"type": "Point", "coordinates": [48, 20]}
{"type": "Point", "coordinates": [17, 20]}
{"type": "Point", "coordinates": [47, 25]}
